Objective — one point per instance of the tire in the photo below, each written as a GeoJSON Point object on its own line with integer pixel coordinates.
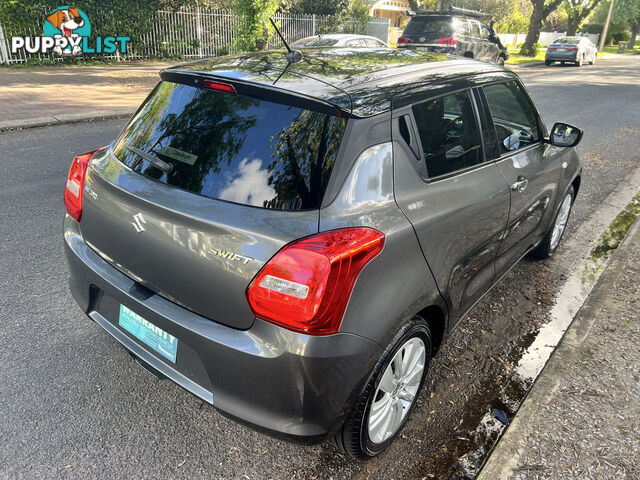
{"type": "Point", "coordinates": [580, 62]}
{"type": "Point", "coordinates": [355, 438]}
{"type": "Point", "coordinates": [549, 244]}
{"type": "Point", "coordinates": [500, 61]}
{"type": "Point", "coordinates": [548, 62]}
{"type": "Point", "coordinates": [593, 60]}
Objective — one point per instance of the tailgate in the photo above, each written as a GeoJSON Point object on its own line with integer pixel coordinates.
{"type": "Point", "coordinates": [196, 251]}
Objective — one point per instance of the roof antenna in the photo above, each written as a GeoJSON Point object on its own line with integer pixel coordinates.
{"type": "Point", "coordinates": [292, 56]}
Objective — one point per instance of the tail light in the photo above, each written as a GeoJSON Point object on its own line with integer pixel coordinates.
{"type": "Point", "coordinates": [447, 41]}
{"type": "Point", "coordinates": [572, 48]}
{"type": "Point", "coordinates": [75, 183]}
{"type": "Point", "coordinates": [551, 48]}
{"type": "Point", "coordinates": [402, 41]}
{"type": "Point", "coordinates": [306, 286]}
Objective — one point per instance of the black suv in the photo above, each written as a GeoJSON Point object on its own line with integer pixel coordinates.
{"type": "Point", "coordinates": [455, 31]}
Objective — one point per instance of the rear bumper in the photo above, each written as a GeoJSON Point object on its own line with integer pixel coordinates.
{"type": "Point", "coordinates": [562, 56]}
{"type": "Point", "coordinates": [286, 383]}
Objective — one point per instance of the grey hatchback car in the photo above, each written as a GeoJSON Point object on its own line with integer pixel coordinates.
{"type": "Point", "coordinates": [291, 242]}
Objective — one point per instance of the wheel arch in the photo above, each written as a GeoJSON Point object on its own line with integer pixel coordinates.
{"type": "Point", "coordinates": [435, 316]}
{"type": "Point", "coordinates": [576, 185]}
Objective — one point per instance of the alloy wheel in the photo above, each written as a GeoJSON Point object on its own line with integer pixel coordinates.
{"type": "Point", "coordinates": [397, 390]}
{"type": "Point", "coordinates": [561, 221]}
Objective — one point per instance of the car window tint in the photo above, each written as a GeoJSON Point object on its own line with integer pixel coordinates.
{"type": "Point", "coordinates": [485, 32]}
{"type": "Point", "coordinates": [448, 133]}
{"type": "Point", "coordinates": [462, 27]}
{"type": "Point", "coordinates": [429, 26]}
{"type": "Point", "coordinates": [513, 115]}
{"type": "Point", "coordinates": [475, 29]}
{"type": "Point", "coordinates": [233, 148]}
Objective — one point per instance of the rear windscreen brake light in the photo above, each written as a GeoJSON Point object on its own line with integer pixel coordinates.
{"type": "Point", "coordinates": [220, 87]}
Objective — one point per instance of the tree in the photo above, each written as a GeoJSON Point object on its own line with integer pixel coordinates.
{"type": "Point", "coordinates": [320, 7]}
{"type": "Point", "coordinates": [628, 12]}
{"type": "Point", "coordinates": [541, 10]}
{"type": "Point", "coordinates": [253, 30]}
{"type": "Point", "coordinates": [577, 11]}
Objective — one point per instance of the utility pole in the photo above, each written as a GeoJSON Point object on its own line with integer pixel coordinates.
{"type": "Point", "coordinates": [606, 26]}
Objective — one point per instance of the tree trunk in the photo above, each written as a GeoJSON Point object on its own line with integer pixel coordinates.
{"type": "Point", "coordinates": [535, 25]}
{"type": "Point", "coordinates": [572, 25]}
{"type": "Point", "coordinates": [635, 28]}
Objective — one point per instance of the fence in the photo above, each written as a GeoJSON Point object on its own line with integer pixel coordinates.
{"type": "Point", "coordinates": [199, 32]}
{"type": "Point", "coordinates": [512, 40]}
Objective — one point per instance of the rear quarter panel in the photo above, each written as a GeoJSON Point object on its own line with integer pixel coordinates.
{"type": "Point", "coordinates": [396, 284]}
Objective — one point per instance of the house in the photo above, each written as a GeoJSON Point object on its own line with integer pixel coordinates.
{"type": "Point", "coordinates": [394, 10]}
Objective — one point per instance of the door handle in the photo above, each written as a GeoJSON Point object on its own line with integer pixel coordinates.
{"type": "Point", "coordinates": [520, 184]}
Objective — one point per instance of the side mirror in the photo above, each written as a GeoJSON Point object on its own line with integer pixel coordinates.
{"type": "Point", "coordinates": [564, 135]}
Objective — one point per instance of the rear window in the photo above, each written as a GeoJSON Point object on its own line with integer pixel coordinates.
{"type": "Point", "coordinates": [570, 41]}
{"type": "Point", "coordinates": [431, 26]}
{"type": "Point", "coordinates": [233, 148]}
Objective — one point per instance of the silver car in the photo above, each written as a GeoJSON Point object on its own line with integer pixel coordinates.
{"type": "Point", "coordinates": [577, 50]}
{"type": "Point", "coordinates": [342, 40]}
{"type": "Point", "coordinates": [292, 242]}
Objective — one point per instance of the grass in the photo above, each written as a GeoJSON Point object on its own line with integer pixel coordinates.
{"type": "Point", "coordinates": [516, 59]}
{"type": "Point", "coordinates": [614, 49]}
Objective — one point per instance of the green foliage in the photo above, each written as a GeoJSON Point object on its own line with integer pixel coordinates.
{"type": "Point", "coordinates": [621, 37]}
{"type": "Point", "coordinates": [319, 7]}
{"type": "Point", "coordinates": [255, 29]}
{"type": "Point", "coordinates": [514, 19]}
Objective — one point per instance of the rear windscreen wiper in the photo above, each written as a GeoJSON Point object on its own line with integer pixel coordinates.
{"type": "Point", "coordinates": [152, 159]}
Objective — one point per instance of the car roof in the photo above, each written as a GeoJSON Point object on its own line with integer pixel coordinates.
{"type": "Point", "coordinates": [359, 81]}
{"type": "Point", "coordinates": [437, 15]}
{"type": "Point", "coordinates": [339, 36]}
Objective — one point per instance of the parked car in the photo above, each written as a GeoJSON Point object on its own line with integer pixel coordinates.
{"type": "Point", "coordinates": [291, 242]}
{"type": "Point", "coordinates": [340, 40]}
{"type": "Point", "coordinates": [577, 50]}
{"type": "Point", "coordinates": [455, 31]}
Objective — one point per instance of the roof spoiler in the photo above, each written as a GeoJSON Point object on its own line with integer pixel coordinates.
{"type": "Point", "coordinates": [451, 11]}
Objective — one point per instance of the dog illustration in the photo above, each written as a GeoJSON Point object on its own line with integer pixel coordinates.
{"type": "Point", "coordinates": [66, 21]}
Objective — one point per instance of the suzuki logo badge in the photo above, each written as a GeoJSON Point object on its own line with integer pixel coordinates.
{"type": "Point", "coordinates": [138, 222]}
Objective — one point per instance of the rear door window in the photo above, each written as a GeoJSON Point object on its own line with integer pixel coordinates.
{"type": "Point", "coordinates": [515, 119]}
{"type": "Point", "coordinates": [448, 133]}
{"type": "Point", "coordinates": [475, 29]}
{"type": "Point", "coordinates": [462, 27]}
{"type": "Point", "coordinates": [233, 148]}
{"type": "Point", "coordinates": [485, 33]}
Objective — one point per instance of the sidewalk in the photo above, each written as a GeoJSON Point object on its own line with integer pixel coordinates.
{"type": "Point", "coordinates": [34, 96]}
{"type": "Point", "coordinates": [581, 419]}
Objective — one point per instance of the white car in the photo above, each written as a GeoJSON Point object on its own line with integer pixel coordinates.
{"type": "Point", "coordinates": [340, 41]}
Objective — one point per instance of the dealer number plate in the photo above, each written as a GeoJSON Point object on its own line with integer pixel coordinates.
{"type": "Point", "coordinates": [162, 342]}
